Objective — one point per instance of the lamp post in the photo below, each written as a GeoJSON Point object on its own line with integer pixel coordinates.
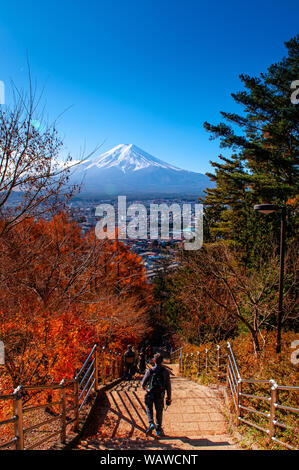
{"type": "Point", "coordinates": [269, 209]}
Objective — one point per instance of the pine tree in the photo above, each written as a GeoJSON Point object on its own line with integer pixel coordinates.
{"type": "Point", "coordinates": [263, 166]}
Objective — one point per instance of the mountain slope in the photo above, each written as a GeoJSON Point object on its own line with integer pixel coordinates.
{"type": "Point", "coordinates": [128, 170]}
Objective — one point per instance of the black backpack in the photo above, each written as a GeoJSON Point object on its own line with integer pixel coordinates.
{"type": "Point", "coordinates": [156, 383]}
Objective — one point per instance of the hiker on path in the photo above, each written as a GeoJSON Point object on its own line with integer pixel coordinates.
{"type": "Point", "coordinates": [141, 365]}
{"type": "Point", "coordinates": [156, 381]}
{"type": "Point", "coordinates": [148, 353]}
{"type": "Point", "coordinates": [130, 362]}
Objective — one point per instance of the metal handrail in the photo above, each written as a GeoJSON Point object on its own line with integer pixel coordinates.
{"type": "Point", "coordinates": [7, 397]}
{"type": "Point", "coordinates": [176, 350]}
{"type": "Point", "coordinates": [36, 407]}
{"type": "Point", "coordinates": [86, 361]}
{"type": "Point", "coordinates": [251, 410]}
{"type": "Point", "coordinates": [236, 405]}
{"type": "Point", "coordinates": [8, 443]}
{"type": "Point", "coordinates": [43, 440]}
{"type": "Point", "coordinates": [233, 358]}
{"type": "Point", "coordinates": [86, 396]}
{"type": "Point", "coordinates": [176, 354]}
{"type": "Point", "coordinates": [248, 395]}
{"type": "Point", "coordinates": [233, 370]}
{"type": "Point", "coordinates": [42, 423]}
{"type": "Point", "coordinates": [85, 386]}
{"type": "Point", "coordinates": [283, 443]}
{"type": "Point", "coordinates": [86, 373]}
{"type": "Point", "coordinates": [288, 408]}
{"type": "Point", "coordinates": [287, 387]}
{"type": "Point", "coordinates": [283, 425]}
{"type": "Point", "coordinates": [236, 383]}
{"type": "Point", "coordinates": [42, 387]}
{"type": "Point", "coordinates": [252, 381]}
{"type": "Point", "coordinates": [250, 423]}
{"type": "Point", "coordinates": [8, 421]}
{"type": "Point", "coordinates": [91, 373]}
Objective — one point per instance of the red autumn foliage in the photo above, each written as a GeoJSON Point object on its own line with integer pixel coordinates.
{"type": "Point", "coordinates": [60, 292]}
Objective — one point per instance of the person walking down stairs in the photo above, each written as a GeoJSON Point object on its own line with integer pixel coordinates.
{"type": "Point", "coordinates": [156, 382]}
{"type": "Point", "coordinates": [141, 365]}
{"type": "Point", "coordinates": [130, 362]}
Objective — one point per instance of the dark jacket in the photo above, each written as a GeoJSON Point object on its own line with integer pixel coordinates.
{"type": "Point", "coordinates": [129, 357]}
{"type": "Point", "coordinates": [166, 377]}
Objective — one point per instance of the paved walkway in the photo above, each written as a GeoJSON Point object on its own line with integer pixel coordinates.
{"type": "Point", "coordinates": [194, 421]}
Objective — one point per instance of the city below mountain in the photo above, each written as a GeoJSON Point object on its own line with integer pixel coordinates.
{"type": "Point", "coordinates": [128, 170]}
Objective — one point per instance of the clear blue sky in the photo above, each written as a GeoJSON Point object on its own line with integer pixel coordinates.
{"type": "Point", "coordinates": [147, 72]}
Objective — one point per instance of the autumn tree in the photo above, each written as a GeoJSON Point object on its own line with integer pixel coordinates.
{"type": "Point", "coordinates": [34, 180]}
{"type": "Point", "coordinates": [218, 290]}
{"type": "Point", "coordinates": [56, 278]}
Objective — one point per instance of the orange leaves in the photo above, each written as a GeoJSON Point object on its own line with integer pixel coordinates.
{"type": "Point", "coordinates": [293, 202]}
{"type": "Point", "coordinates": [60, 292]}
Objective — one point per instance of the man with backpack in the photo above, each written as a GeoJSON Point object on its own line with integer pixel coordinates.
{"type": "Point", "coordinates": [129, 360]}
{"type": "Point", "coordinates": [156, 381]}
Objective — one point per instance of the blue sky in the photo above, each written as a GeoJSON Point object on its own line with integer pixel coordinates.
{"type": "Point", "coordinates": [147, 72]}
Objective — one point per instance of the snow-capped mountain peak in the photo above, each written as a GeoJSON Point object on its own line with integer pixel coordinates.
{"type": "Point", "coordinates": [127, 157]}
{"type": "Point", "coordinates": [128, 170]}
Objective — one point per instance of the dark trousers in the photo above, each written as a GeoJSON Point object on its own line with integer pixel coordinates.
{"type": "Point", "coordinates": [150, 400]}
{"type": "Point", "coordinates": [141, 366]}
{"type": "Point", "coordinates": [130, 370]}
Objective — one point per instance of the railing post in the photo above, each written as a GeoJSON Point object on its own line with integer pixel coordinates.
{"type": "Point", "coordinates": [227, 366]}
{"type": "Point", "coordinates": [181, 361]}
{"type": "Point", "coordinates": [104, 365]}
{"type": "Point", "coordinates": [239, 391]}
{"type": "Point", "coordinates": [116, 365]}
{"type": "Point", "coordinates": [62, 411]}
{"type": "Point", "coordinates": [121, 354]}
{"type": "Point", "coordinates": [227, 372]}
{"type": "Point", "coordinates": [18, 412]}
{"type": "Point", "coordinates": [191, 365]}
{"type": "Point", "coordinates": [218, 358]}
{"type": "Point", "coordinates": [96, 369]}
{"type": "Point", "coordinates": [119, 365]}
{"type": "Point", "coordinates": [206, 360]}
{"type": "Point", "coordinates": [272, 408]}
{"type": "Point", "coordinates": [198, 363]}
{"type": "Point", "coordinates": [76, 397]}
{"type": "Point", "coordinates": [113, 365]}
{"type": "Point", "coordinates": [185, 365]}
{"type": "Point", "coordinates": [110, 364]}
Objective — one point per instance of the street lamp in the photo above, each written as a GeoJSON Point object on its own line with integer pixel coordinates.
{"type": "Point", "coordinates": [269, 209]}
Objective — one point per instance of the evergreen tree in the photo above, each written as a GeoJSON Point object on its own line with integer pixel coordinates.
{"type": "Point", "coordinates": [263, 166]}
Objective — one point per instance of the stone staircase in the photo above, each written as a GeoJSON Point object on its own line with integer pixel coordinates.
{"type": "Point", "coordinates": [194, 421]}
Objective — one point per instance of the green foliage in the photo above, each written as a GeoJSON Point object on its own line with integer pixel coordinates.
{"type": "Point", "coordinates": [263, 166]}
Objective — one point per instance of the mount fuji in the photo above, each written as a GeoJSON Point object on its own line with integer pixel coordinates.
{"type": "Point", "coordinates": [128, 170]}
